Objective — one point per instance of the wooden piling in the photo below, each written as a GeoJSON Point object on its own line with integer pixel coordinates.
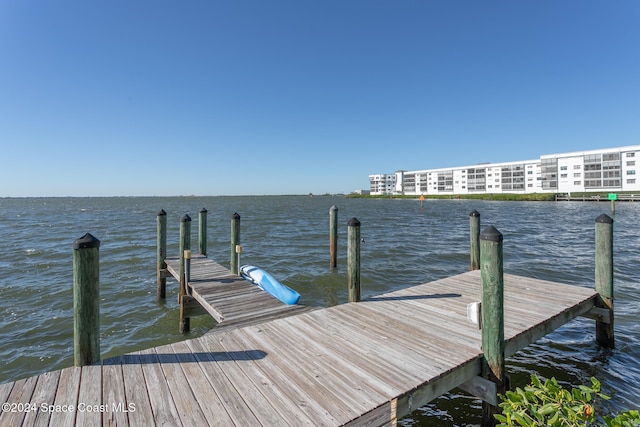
{"type": "Point", "coordinates": [474, 240]}
{"type": "Point", "coordinates": [604, 278]}
{"type": "Point", "coordinates": [86, 300]}
{"type": "Point", "coordinates": [202, 231]}
{"type": "Point", "coordinates": [235, 241]}
{"type": "Point", "coordinates": [185, 243]}
{"type": "Point", "coordinates": [333, 237]}
{"type": "Point", "coordinates": [491, 271]}
{"type": "Point", "coordinates": [353, 259]}
{"type": "Point", "coordinates": [161, 247]}
{"type": "Point", "coordinates": [185, 319]}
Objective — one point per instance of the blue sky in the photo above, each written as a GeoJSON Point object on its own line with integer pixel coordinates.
{"type": "Point", "coordinates": [290, 97]}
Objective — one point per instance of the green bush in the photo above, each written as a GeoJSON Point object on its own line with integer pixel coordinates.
{"type": "Point", "coordinates": [549, 404]}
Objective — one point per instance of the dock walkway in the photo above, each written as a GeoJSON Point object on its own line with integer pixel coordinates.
{"type": "Point", "coordinates": [370, 362]}
{"type": "Point", "coordinates": [228, 298]}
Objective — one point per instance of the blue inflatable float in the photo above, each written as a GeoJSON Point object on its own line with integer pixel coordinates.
{"type": "Point", "coordinates": [266, 282]}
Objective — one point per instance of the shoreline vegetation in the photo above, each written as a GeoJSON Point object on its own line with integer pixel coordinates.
{"type": "Point", "coordinates": [530, 197]}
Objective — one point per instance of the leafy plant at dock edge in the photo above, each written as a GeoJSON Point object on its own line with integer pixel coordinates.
{"type": "Point", "coordinates": [549, 404]}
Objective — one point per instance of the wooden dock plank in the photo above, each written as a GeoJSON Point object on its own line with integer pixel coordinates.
{"type": "Point", "coordinates": [162, 404]}
{"type": "Point", "coordinates": [66, 397]}
{"type": "Point", "coordinates": [271, 382]}
{"type": "Point", "coordinates": [186, 405]}
{"type": "Point", "coordinates": [229, 362]}
{"type": "Point", "coordinates": [234, 403]}
{"type": "Point", "coordinates": [302, 372]}
{"type": "Point", "coordinates": [366, 352]}
{"type": "Point", "coordinates": [300, 389]}
{"type": "Point", "coordinates": [114, 396]}
{"type": "Point", "coordinates": [21, 394]}
{"type": "Point", "coordinates": [44, 392]}
{"type": "Point", "coordinates": [328, 364]}
{"type": "Point", "coordinates": [90, 396]}
{"type": "Point", "coordinates": [210, 404]}
{"type": "Point", "coordinates": [135, 390]}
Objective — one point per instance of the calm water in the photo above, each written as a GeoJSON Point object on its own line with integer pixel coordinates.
{"type": "Point", "coordinates": [288, 236]}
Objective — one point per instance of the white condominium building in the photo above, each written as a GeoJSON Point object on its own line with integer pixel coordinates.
{"type": "Point", "coordinates": [607, 169]}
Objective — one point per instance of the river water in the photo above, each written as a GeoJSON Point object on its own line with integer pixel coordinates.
{"type": "Point", "coordinates": [404, 244]}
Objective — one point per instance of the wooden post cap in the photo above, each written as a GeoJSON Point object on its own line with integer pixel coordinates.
{"type": "Point", "coordinates": [333, 208]}
{"type": "Point", "coordinates": [353, 222]}
{"type": "Point", "coordinates": [492, 234]}
{"type": "Point", "coordinates": [185, 218]}
{"type": "Point", "coordinates": [86, 241]}
{"type": "Point", "coordinates": [604, 219]}
{"type": "Point", "coordinates": [474, 213]}
{"type": "Point", "coordinates": [162, 213]}
{"type": "Point", "coordinates": [235, 216]}
{"type": "Point", "coordinates": [203, 210]}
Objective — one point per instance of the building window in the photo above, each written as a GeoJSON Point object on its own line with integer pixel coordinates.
{"type": "Point", "coordinates": [576, 175]}
{"type": "Point", "coordinates": [631, 154]}
{"type": "Point", "coordinates": [631, 172]}
{"type": "Point", "coordinates": [576, 166]}
{"type": "Point", "coordinates": [563, 175]}
{"type": "Point", "coordinates": [549, 172]}
{"type": "Point", "coordinates": [631, 163]}
{"type": "Point", "coordinates": [577, 182]}
{"type": "Point", "coordinates": [563, 168]}
{"type": "Point", "coordinates": [631, 181]}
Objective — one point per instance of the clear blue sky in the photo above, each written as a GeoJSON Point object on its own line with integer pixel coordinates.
{"type": "Point", "coordinates": [290, 97]}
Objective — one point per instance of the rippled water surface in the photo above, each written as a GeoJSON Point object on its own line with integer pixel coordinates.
{"type": "Point", "coordinates": [403, 245]}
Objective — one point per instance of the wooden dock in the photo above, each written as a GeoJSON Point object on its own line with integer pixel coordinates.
{"type": "Point", "coordinates": [365, 363]}
{"type": "Point", "coordinates": [228, 298]}
{"type": "Point", "coordinates": [596, 198]}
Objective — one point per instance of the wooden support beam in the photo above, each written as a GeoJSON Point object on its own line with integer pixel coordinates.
{"type": "Point", "coordinates": [602, 315]}
{"type": "Point", "coordinates": [482, 389]}
{"type": "Point", "coordinates": [425, 393]}
{"type": "Point", "coordinates": [190, 307]}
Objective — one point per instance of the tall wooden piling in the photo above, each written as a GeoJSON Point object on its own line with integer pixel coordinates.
{"type": "Point", "coordinates": [474, 240]}
{"type": "Point", "coordinates": [333, 237]}
{"type": "Point", "coordinates": [491, 271]}
{"type": "Point", "coordinates": [604, 278]}
{"type": "Point", "coordinates": [202, 231]}
{"type": "Point", "coordinates": [353, 259]}
{"type": "Point", "coordinates": [235, 241]}
{"type": "Point", "coordinates": [161, 255]}
{"type": "Point", "coordinates": [86, 300]}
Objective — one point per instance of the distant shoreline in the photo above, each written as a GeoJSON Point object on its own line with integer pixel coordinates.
{"type": "Point", "coordinates": [531, 197]}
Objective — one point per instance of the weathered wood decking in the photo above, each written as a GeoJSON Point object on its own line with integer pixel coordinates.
{"type": "Point", "coordinates": [360, 363]}
{"type": "Point", "coordinates": [228, 298]}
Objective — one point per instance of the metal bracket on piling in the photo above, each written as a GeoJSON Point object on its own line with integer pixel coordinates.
{"type": "Point", "coordinates": [600, 314]}
{"type": "Point", "coordinates": [482, 389]}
